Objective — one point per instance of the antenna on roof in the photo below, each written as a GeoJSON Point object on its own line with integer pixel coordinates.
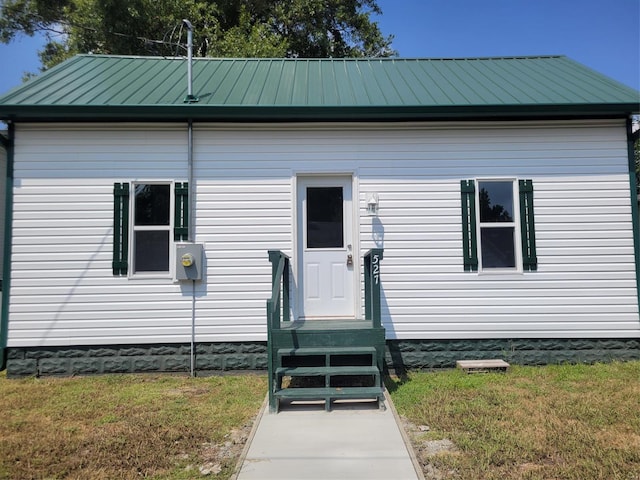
{"type": "Point", "coordinates": [190, 98]}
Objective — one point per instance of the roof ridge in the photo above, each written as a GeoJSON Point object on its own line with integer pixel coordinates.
{"type": "Point", "coordinates": [325, 59]}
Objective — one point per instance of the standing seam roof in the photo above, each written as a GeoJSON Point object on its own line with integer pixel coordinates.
{"type": "Point", "coordinates": [153, 87]}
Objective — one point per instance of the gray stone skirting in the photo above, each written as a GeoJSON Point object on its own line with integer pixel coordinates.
{"type": "Point", "coordinates": [86, 360]}
{"type": "Point", "coordinates": [249, 356]}
{"type": "Point", "coordinates": [417, 354]}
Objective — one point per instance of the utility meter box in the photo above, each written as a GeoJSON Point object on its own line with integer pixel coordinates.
{"type": "Point", "coordinates": [189, 264]}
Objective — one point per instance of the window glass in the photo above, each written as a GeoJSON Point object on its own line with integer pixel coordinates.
{"type": "Point", "coordinates": [496, 201]}
{"type": "Point", "coordinates": [152, 204]}
{"type": "Point", "coordinates": [151, 227]}
{"type": "Point", "coordinates": [498, 247]}
{"type": "Point", "coordinates": [151, 251]}
{"type": "Point", "coordinates": [497, 224]}
{"type": "Point", "coordinates": [324, 217]}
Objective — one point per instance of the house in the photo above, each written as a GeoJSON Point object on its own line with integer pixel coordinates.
{"type": "Point", "coordinates": [497, 194]}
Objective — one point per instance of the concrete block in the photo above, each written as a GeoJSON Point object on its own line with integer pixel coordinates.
{"type": "Point", "coordinates": [177, 363]}
{"type": "Point", "coordinates": [53, 366]}
{"type": "Point", "coordinates": [116, 365]}
{"type": "Point", "coordinates": [83, 366]}
{"type": "Point", "coordinates": [22, 368]}
{"type": "Point", "coordinates": [146, 364]}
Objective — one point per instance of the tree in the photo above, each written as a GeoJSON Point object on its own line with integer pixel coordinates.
{"type": "Point", "coordinates": [224, 28]}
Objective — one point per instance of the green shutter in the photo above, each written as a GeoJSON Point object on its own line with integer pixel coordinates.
{"type": "Point", "coordinates": [527, 226]}
{"type": "Point", "coordinates": [120, 228]}
{"type": "Point", "coordinates": [181, 223]}
{"type": "Point", "coordinates": [469, 237]}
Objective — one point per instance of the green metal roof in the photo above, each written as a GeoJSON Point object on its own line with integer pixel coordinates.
{"type": "Point", "coordinates": [99, 87]}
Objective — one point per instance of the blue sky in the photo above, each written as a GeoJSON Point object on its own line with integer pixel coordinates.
{"type": "Point", "coordinates": [602, 34]}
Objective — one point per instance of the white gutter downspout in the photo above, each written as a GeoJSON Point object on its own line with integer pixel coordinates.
{"type": "Point", "coordinates": [190, 98]}
{"type": "Point", "coordinates": [190, 237]}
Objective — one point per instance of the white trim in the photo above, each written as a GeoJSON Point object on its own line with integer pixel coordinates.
{"type": "Point", "coordinates": [170, 274]}
{"type": "Point", "coordinates": [515, 224]}
{"type": "Point", "coordinates": [404, 126]}
{"type": "Point", "coordinates": [299, 176]}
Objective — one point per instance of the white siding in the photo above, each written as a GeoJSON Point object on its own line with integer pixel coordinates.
{"type": "Point", "coordinates": [62, 288]}
{"type": "Point", "coordinates": [63, 291]}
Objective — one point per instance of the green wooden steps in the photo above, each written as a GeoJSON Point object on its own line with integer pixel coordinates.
{"type": "Point", "coordinates": [330, 359]}
{"type": "Point", "coordinates": [328, 373]}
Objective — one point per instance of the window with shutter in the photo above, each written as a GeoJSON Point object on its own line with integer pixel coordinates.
{"type": "Point", "coordinates": [493, 230]}
{"type": "Point", "coordinates": [160, 216]}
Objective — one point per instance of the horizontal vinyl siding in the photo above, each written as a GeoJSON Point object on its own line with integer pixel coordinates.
{"type": "Point", "coordinates": [585, 285]}
{"type": "Point", "coordinates": [244, 209]}
{"type": "Point", "coordinates": [63, 291]}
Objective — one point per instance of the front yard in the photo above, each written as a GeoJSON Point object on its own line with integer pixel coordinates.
{"type": "Point", "coordinates": [555, 422]}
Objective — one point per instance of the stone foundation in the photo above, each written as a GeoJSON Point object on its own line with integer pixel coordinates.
{"type": "Point", "coordinates": [67, 361]}
{"type": "Point", "coordinates": [211, 358]}
{"type": "Point", "coordinates": [416, 354]}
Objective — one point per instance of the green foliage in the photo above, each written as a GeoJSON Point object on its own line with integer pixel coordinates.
{"type": "Point", "coordinates": [238, 28]}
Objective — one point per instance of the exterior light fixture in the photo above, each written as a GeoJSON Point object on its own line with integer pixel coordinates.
{"type": "Point", "coordinates": [372, 205]}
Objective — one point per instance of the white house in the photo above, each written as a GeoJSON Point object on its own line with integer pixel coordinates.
{"type": "Point", "coordinates": [501, 191]}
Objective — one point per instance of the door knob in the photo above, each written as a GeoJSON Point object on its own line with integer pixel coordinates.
{"type": "Point", "coordinates": [349, 259]}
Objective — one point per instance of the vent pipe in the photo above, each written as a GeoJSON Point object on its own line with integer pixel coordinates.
{"type": "Point", "coordinates": [190, 98]}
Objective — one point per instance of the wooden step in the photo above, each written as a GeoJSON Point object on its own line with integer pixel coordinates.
{"type": "Point", "coordinates": [306, 351]}
{"type": "Point", "coordinates": [331, 393]}
{"type": "Point", "coordinates": [324, 371]}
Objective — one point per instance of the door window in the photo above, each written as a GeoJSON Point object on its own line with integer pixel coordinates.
{"type": "Point", "coordinates": [324, 217]}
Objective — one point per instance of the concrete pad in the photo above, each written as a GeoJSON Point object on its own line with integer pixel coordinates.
{"type": "Point", "coordinates": [356, 440]}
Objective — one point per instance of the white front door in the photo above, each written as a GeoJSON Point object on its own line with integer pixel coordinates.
{"type": "Point", "coordinates": [325, 248]}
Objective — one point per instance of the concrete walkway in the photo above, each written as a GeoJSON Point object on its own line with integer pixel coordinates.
{"type": "Point", "coordinates": [356, 440]}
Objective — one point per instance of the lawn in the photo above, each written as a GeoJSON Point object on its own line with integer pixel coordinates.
{"type": "Point", "coordinates": [126, 426]}
{"type": "Point", "coordinates": [556, 422]}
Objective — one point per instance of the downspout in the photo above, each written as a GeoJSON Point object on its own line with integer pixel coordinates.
{"type": "Point", "coordinates": [190, 238]}
{"type": "Point", "coordinates": [8, 144]}
{"type": "Point", "coordinates": [634, 202]}
{"type": "Point", "coordinates": [190, 98]}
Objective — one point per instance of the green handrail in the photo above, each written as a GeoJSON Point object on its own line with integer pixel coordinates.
{"type": "Point", "coordinates": [279, 288]}
{"type": "Point", "coordinates": [372, 286]}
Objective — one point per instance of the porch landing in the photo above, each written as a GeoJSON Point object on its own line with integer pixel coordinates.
{"type": "Point", "coordinates": [327, 324]}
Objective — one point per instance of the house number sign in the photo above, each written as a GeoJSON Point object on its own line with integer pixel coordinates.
{"type": "Point", "coordinates": [376, 268]}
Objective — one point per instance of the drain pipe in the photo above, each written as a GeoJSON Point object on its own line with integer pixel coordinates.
{"type": "Point", "coordinates": [190, 98]}
{"type": "Point", "coordinates": [8, 144]}
{"type": "Point", "coordinates": [633, 187]}
{"type": "Point", "coordinates": [191, 237]}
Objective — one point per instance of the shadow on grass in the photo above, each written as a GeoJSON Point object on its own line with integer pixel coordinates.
{"type": "Point", "coordinates": [395, 374]}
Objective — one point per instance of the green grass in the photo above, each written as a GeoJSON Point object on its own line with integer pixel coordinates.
{"type": "Point", "coordinates": [556, 422]}
{"type": "Point", "coordinates": [124, 426]}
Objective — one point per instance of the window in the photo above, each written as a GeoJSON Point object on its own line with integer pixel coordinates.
{"type": "Point", "coordinates": [151, 227]}
{"type": "Point", "coordinates": [157, 211]}
{"type": "Point", "coordinates": [324, 217]}
{"type": "Point", "coordinates": [495, 230]}
{"type": "Point", "coordinates": [497, 225]}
